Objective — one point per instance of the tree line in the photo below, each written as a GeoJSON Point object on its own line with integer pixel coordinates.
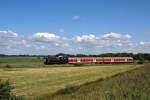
{"type": "Point", "coordinates": [138, 56]}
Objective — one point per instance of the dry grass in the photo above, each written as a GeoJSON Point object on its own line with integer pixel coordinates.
{"type": "Point", "coordinates": [131, 85]}
{"type": "Point", "coordinates": [40, 82]}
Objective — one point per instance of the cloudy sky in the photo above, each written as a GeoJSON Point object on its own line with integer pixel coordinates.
{"type": "Point", "coordinates": [74, 26]}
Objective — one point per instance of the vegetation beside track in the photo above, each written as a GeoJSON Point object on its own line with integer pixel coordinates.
{"type": "Point", "coordinates": [131, 85]}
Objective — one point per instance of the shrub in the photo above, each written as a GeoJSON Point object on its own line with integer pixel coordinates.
{"type": "Point", "coordinates": [7, 66]}
{"type": "Point", "coordinates": [5, 92]}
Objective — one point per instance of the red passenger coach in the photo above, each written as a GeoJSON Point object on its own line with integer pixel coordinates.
{"type": "Point", "coordinates": [107, 60]}
{"type": "Point", "coordinates": [86, 60]}
{"type": "Point", "coordinates": [101, 60]}
{"type": "Point", "coordinates": [72, 60]}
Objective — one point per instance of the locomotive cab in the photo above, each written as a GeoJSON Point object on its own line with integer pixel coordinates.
{"type": "Point", "coordinates": [56, 60]}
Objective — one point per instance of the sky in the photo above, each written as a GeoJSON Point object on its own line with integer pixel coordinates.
{"type": "Point", "coordinates": [74, 26]}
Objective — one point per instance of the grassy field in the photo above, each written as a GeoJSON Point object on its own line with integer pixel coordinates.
{"type": "Point", "coordinates": [131, 85]}
{"type": "Point", "coordinates": [21, 62]}
{"type": "Point", "coordinates": [31, 78]}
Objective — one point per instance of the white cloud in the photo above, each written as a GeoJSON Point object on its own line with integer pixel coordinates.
{"type": "Point", "coordinates": [110, 42]}
{"type": "Point", "coordinates": [86, 38]}
{"type": "Point", "coordinates": [116, 36]}
{"type": "Point", "coordinates": [76, 18]}
{"type": "Point", "coordinates": [50, 43]}
{"type": "Point", "coordinates": [143, 46]}
{"type": "Point", "coordinates": [39, 47]}
{"type": "Point", "coordinates": [144, 43]}
{"type": "Point", "coordinates": [45, 37]}
{"type": "Point", "coordinates": [8, 34]}
{"type": "Point", "coordinates": [7, 39]}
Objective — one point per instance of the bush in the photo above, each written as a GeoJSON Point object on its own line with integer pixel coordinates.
{"type": "Point", "coordinates": [7, 66]}
{"type": "Point", "coordinates": [5, 92]}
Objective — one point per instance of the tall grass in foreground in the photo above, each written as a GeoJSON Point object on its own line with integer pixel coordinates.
{"type": "Point", "coordinates": [132, 85]}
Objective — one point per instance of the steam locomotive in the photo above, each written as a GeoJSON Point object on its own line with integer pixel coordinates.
{"type": "Point", "coordinates": [64, 60]}
{"type": "Point", "coordinates": [56, 60]}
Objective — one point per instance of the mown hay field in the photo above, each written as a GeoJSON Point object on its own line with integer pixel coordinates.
{"type": "Point", "coordinates": [37, 80]}
{"type": "Point", "coordinates": [130, 85]}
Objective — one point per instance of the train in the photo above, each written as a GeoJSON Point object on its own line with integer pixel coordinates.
{"type": "Point", "coordinates": [73, 60]}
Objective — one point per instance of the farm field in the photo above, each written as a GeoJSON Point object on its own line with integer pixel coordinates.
{"type": "Point", "coordinates": [131, 85]}
{"type": "Point", "coordinates": [34, 79]}
{"type": "Point", "coordinates": [21, 62]}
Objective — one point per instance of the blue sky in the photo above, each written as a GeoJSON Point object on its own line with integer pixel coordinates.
{"type": "Point", "coordinates": [75, 18]}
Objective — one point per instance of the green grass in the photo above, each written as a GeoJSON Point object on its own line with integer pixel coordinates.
{"type": "Point", "coordinates": [19, 59]}
{"type": "Point", "coordinates": [26, 62]}
{"type": "Point", "coordinates": [131, 85]}
{"type": "Point", "coordinates": [21, 62]}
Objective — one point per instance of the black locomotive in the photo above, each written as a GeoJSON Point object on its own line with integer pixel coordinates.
{"type": "Point", "coordinates": [56, 60]}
